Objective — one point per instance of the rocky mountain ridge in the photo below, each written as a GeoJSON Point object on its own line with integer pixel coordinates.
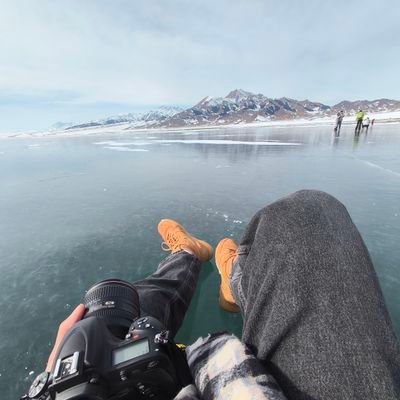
{"type": "Point", "coordinates": [240, 106]}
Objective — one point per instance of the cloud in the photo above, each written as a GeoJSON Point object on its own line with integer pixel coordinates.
{"type": "Point", "coordinates": [158, 52]}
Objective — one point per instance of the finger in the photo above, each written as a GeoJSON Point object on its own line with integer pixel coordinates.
{"type": "Point", "coordinates": [76, 315]}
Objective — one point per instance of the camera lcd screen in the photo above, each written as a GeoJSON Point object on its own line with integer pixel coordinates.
{"type": "Point", "coordinates": [133, 350]}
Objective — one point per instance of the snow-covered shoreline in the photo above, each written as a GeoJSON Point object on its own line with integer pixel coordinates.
{"type": "Point", "coordinates": [380, 118]}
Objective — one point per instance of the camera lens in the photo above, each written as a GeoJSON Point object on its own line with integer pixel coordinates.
{"type": "Point", "coordinates": [116, 301]}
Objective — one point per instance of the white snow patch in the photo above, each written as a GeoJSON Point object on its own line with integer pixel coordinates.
{"type": "Point", "coordinates": [117, 148]}
{"type": "Point", "coordinates": [119, 144]}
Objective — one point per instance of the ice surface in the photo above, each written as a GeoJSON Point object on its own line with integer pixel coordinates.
{"type": "Point", "coordinates": [212, 141]}
{"type": "Point", "coordinates": [85, 216]}
{"type": "Point", "coordinates": [373, 165]}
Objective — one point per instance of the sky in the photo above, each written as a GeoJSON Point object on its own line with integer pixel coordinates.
{"type": "Point", "coordinates": [73, 60]}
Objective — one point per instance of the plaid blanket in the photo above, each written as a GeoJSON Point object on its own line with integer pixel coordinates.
{"type": "Point", "coordinates": [224, 368]}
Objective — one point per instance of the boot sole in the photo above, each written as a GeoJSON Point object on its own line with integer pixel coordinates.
{"type": "Point", "coordinates": [226, 305]}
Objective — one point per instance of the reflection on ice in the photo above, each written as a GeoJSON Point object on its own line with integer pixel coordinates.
{"type": "Point", "coordinates": [200, 141]}
{"type": "Point", "coordinates": [212, 141]}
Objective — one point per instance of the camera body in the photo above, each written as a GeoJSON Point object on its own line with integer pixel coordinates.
{"type": "Point", "coordinates": [92, 363]}
{"type": "Point", "coordinates": [114, 353]}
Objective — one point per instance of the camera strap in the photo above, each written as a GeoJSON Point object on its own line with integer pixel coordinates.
{"type": "Point", "coordinates": [178, 357]}
{"type": "Point", "coordinates": [177, 354]}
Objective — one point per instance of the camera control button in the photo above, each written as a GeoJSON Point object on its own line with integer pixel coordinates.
{"type": "Point", "coordinates": [147, 326]}
{"type": "Point", "coordinates": [123, 375]}
{"type": "Point", "coordinates": [152, 364]}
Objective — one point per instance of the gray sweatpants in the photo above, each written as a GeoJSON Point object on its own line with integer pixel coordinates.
{"type": "Point", "coordinates": [312, 309]}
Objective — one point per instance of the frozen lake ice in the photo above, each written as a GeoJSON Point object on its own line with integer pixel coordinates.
{"type": "Point", "coordinates": [74, 210]}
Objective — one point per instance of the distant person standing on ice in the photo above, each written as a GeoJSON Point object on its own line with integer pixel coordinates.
{"type": "Point", "coordinates": [339, 119]}
{"type": "Point", "coordinates": [359, 119]}
{"type": "Point", "coordinates": [365, 123]}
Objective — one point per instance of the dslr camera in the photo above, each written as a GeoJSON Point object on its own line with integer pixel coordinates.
{"type": "Point", "coordinates": [114, 353]}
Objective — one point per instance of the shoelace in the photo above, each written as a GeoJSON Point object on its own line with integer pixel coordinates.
{"type": "Point", "coordinates": [172, 242]}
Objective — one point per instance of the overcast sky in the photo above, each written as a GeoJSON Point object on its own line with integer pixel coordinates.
{"type": "Point", "coordinates": [79, 60]}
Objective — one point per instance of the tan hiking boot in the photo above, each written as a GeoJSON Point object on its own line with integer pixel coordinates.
{"type": "Point", "coordinates": [176, 238]}
{"type": "Point", "coordinates": [225, 255]}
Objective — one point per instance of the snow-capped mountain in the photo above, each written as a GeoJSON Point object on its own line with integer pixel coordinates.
{"type": "Point", "coordinates": [134, 120]}
{"type": "Point", "coordinates": [379, 105]}
{"type": "Point", "coordinates": [155, 116]}
{"type": "Point", "coordinates": [240, 106]}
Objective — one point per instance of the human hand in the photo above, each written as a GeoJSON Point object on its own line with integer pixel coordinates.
{"type": "Point", "coordinates": [74, 317]}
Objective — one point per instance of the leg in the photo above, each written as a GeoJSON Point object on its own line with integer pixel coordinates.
{"type": "Point", "coordinates": [358, 127]}
{"type": "Point", "coordinates": [338, 128]}
{"type": "Point", "coordinates": [311, 303]}
{"type": "Point", "coordinates": [166, 294]}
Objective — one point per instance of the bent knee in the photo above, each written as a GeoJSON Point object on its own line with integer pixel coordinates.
{"type": "Point", "coordinates": [316, 197]}
{"type": "Point", "coordinates": [298, 202]}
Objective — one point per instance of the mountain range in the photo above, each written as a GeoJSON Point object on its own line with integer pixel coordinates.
{"type": "Point", "coordinates": [135, 120]}
{"type": "Point", "coordinates": [239, 107]}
